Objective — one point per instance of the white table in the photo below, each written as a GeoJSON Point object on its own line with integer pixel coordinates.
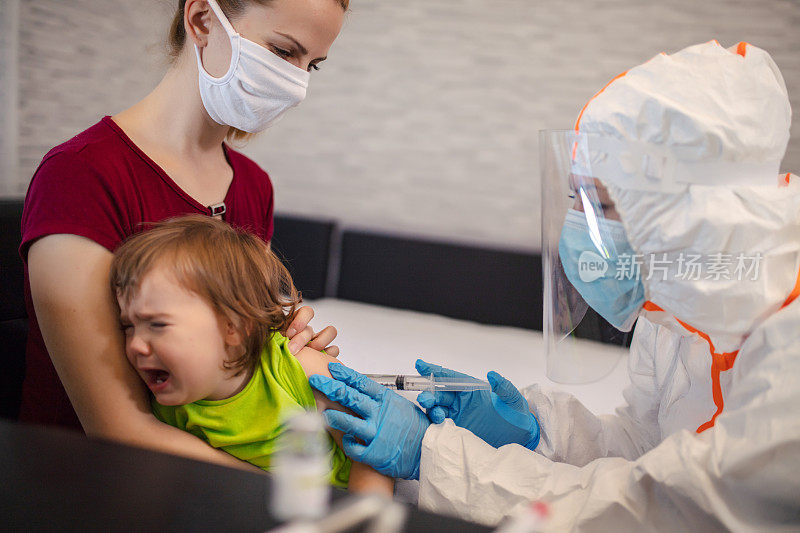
{"type": "Point", "coordinates": [375, 339]}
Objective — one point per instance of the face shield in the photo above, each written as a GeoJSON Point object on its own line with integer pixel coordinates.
{"type": "Point", "coordinates": [592, 278]}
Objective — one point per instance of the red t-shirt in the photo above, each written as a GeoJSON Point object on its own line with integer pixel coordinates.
{"type": "Point", "coordinates": [101, 186]}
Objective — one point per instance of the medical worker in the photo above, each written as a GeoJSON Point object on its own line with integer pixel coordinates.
{"type": "Point", "coordinates": [677, 158]}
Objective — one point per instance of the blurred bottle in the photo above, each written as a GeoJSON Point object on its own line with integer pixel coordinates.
{"type": "Point", "coordinates": [301, 469]}
{"type": "Point", "coordinates": [531, 519]}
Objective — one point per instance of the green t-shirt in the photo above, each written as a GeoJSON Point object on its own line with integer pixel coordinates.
{"type": "Point", "coordinates": [248, 425]}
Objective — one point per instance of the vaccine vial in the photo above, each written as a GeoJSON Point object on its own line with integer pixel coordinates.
{"type": "Point", "coordinates": [301, 469]}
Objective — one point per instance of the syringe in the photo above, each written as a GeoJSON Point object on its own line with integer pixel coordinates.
{"type": "Point", "coordinates": [430, 383]}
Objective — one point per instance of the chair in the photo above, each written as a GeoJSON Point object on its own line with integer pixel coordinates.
{"type": "Point", "coordinates": [13, 315]}
{"type": "Point", "coordinates": [304, 246]}
{"type": "Point", "coordinates": [485, 285]}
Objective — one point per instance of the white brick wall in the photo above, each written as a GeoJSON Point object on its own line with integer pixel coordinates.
{"type": "Point", "coordinates": [11, 180]}
{"type": "Point", "coordinates": [424, 120]}
{"type": "Point", "coordinates": [80, 60]}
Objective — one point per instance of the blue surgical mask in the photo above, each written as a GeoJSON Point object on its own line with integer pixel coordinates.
{"type": "Point", "coordinates": [594, 259]}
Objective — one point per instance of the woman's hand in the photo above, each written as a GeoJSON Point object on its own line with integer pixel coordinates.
{"type": "Point", "coordinates": [300, 334]}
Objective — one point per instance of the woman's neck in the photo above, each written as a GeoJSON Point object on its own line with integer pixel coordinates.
{"type": "Point", "coordinates": [172, 116]}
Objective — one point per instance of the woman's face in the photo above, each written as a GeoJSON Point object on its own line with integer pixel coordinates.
{"type": "Point", "coordinates": [299, 31]}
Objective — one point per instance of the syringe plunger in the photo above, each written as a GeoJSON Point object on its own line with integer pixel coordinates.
{"type": "Point", "coordinates": [402, 382]}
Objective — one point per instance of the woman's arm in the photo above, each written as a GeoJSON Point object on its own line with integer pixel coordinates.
{"type": "Point", "coordinates": [80, 327]}
{"type": "Point", "coordinates": [362, 477]}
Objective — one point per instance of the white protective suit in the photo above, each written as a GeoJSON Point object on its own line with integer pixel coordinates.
{"type": "Point", "coordinates": [665, 461]}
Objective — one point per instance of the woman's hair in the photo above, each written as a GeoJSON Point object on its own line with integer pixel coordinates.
{"type": "Point", "coordinates": [233, 270]}
{"type": "Point", "coordinates": [232, 9]}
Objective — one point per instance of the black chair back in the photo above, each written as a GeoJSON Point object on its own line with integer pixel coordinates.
{"type": "Point", "coordinates": [485, 285]}
{"type": "Point", "coordinates": [13, 316]}
{"type": "Point", "coordinates": [304, 246]}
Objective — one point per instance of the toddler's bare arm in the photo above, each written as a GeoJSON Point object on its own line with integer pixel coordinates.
{"type": "Point", "coordinates": [362, 477]}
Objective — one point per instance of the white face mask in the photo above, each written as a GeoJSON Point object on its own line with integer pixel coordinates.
{"type": "Point", "coordinates": [258, 87]}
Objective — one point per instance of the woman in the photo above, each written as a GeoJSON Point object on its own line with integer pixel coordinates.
{"type": "Point", "coordinates": [237, 65]}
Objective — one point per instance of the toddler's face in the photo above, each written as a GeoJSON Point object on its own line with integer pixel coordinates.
{"type": "Point", "coordinates": [177, 342]}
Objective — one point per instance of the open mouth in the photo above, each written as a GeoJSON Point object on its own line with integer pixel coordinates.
{"type": "Point", "coordinates": [155, 377]}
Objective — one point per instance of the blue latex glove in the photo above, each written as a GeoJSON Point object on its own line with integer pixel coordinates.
{"type": "Point", "coordinates": [390, 429]}
{"type": "Point", "coordinates": [499, 417]}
